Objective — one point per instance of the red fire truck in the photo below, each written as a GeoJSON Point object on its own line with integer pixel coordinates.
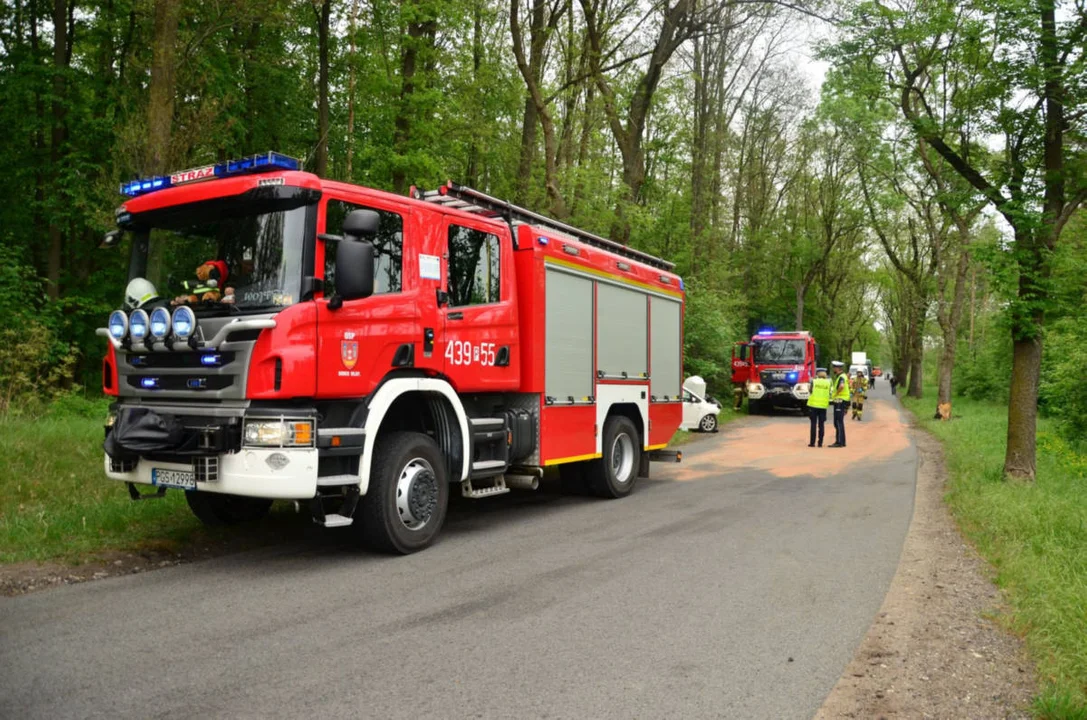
{"type": "Point", "coordinates": [363, 351]}
{"type": "Point", "coordinates": [775, 369]}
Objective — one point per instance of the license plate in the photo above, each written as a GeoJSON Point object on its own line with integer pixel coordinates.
{"type": "Point", "coordinates": [181, 479]}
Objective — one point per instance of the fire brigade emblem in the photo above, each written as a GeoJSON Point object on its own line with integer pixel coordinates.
{"type": "Point", "coordinates": [349, 353]}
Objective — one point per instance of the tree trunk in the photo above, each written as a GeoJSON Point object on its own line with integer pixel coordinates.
{"type": "Point", "coordinates": [1034, 247]}
{"type": "Point", "coordinates": [320, 163]}
{"type": "Point", "coordinates": [1019, 460]}
{"type": "Point", "coordinates": [420, 30]}
{"type": "Point", "coordinates": [160, 107]}
{"type": "Point", "coordinates": [917, 350]}
{"type": "Point", "coordinates": [471, 174]}
{"type": "Point", "coordinates": [801, 291]}
{"type": "Point", "coordinates": [951, 326]}
{"type": "Point", "coordinates": [58, 136]}
{"type": "Point", "coordinates": [528, 152]}
{"type": "Point", "coordinates": [351, 92]}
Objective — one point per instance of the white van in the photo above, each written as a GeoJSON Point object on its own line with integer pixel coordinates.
{"type": "Point", "coordinates": [699, 413]}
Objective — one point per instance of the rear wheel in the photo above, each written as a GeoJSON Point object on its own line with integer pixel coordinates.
{"type": "Point", "coordinates": [404, 508]}
{"type": "Point", "coordinates": [614, 474]}
{"type": "Point", "coordinates": [218, 509]}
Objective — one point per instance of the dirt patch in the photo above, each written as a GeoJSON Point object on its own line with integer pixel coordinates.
{"type": "Point", "coordinates": [931, 652]}
{"type": "Point", "coordinates": [26, 577]}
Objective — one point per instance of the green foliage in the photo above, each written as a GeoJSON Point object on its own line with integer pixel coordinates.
{"type": "Point", "coordinates": [1063, 391]}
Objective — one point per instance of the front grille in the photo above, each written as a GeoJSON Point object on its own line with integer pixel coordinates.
{"type": "Point", "coordinates": [774, 378]}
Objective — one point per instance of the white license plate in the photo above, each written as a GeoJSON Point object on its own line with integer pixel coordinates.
{"type": "Point", "coordinates": [181, 479]}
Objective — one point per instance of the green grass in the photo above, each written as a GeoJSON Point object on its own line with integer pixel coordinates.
{"type": "Point", "coordinates": [57, 504]}
{"type": "Point", "coordinates": [1035, 535]}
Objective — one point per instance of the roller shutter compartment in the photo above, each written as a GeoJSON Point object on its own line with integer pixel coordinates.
{"type": "Point", "coordinates": [569, 326]}
{"type": "Point", "coordinates": [666, 370]}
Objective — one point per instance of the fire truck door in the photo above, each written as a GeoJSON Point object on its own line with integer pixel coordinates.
{"type": "Point", "coordinates": [480, 322]}
{"type": "Point", "coordinates": [361, 341]}
{"type": "Point", "coordinates": [741, 362]}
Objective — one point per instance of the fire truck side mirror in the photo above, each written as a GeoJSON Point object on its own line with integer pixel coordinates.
{"type": "Point", "coordinates": [361, 224]}
{"type": "Point", "coordinates": [354, 269]}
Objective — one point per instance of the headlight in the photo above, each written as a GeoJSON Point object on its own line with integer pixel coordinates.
{"type": "Point", "coordinates": [160, 323]}
{"type": "Point", "coordinates": [278, 433]}
{"type": "Point", "coordinates": [138, 323]}
{"type": "Point", "coordinates": [184, 322]}
{"type": "Point", "coordinates": [118, 324]}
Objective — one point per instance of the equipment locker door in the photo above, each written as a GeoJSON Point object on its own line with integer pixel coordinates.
{"type": "Point", "coordinates": [480, 316]}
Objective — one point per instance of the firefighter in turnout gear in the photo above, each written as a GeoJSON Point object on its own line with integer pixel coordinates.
{"type": "Point", "coordinates": [818, 401]}
{"type": "Point", "coordinates": [860, 394]}
{"type": "Point", "coordinates": [839, 396]}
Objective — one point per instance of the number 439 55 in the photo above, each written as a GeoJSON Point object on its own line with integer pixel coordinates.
{"type": "Point", "coordinates": [458, 352]}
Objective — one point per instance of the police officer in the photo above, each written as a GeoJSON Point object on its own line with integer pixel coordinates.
{"type": "Point", "coordinates": [839, 396]}
{"type": "Point", "coordinates": [818, 400]}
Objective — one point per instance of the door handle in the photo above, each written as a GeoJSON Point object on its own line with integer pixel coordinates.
{"type": "Point", "coordinates": [454, 316]}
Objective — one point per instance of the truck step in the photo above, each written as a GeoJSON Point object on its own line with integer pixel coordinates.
{"type": "Point", "coordinates": [483, 423]}
{"type": "Point", "coordinates": [499, 488]}
{"type": "Point", "coordinates": [336, 521]}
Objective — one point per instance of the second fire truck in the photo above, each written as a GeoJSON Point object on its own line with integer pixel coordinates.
{"type": "Point", "coordinates": [365, 353]}
{"type": "Point", "coordinates": [775, 369]}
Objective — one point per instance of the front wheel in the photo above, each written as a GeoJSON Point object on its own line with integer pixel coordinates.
{"type": "Point", "coordinates": [614, 474]}
{"type": "Point", "coordinates": [404, 508]}
{"type": "Point", "coordinates": [218, 509]}
{"type": "Point", "coordinates": [708, 424]}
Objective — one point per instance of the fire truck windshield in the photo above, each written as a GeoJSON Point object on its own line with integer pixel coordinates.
{"type": "Point", "coordinates": [260, 248]}
{"type": "Point", "coordinates": [779, 352]}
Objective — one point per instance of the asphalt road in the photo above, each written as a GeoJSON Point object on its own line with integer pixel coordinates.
{"type": "Point", "coordinates": [735, 585]}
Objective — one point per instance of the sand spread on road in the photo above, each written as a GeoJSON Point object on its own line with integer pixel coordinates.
{"type": "Point", "coordinates": [779, 446]}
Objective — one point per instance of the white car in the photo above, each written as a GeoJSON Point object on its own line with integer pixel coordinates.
{"type": "Point", "coordinates": [699, 413]}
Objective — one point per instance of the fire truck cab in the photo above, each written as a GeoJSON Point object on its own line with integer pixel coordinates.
{"type": "Point", "coordinates": [776, 369]}
{"type": "Point", "coordinates": [364, 352]}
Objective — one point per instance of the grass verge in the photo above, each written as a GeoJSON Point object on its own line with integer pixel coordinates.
{"type": "Point", "coordinates": [1035, 535]}
{"type": "Point", "coordinates": [57, 505]}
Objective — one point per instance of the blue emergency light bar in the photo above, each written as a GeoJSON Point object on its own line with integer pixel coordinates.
{"type": "Point", "coordinates": [265, 162]}
{"type": "Point", "coordinates": [766, 332]}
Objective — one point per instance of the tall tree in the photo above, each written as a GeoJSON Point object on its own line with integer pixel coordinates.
{"type": "Point", "coordinates": [323, 13]}
{"type": "Point", "coordinates": [1026, 95]}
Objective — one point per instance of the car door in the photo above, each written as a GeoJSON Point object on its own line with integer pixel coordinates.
{"type": "Point", "coordinates": [692, 409]}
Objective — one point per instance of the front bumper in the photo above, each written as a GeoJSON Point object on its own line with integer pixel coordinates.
{"type": "Point", "coordinates": [779, 394]}
{"type": "Point", "coordinates": [251, 472]}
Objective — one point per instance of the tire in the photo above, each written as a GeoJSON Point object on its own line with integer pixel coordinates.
{"type": "Point", "coordinates": [404, 508]}
{"type": "Point", "coordinates": [616, 472]}
{"type": "Point", "coordinates": [708, 424]}
{"type": "Point", "coordinates": [218, 509]}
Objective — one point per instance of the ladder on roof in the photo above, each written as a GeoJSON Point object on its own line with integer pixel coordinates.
{"type": "Point", "coordinates": [467, 199]}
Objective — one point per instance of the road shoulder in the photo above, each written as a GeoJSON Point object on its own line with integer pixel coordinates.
{"type": "Point", "coordinates": [932, 650]}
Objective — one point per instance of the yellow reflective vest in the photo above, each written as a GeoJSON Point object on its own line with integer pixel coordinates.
{"type": "Point", "coordinates": [820, 393]}
{"type": "Point", "coordinates": [841, 388]}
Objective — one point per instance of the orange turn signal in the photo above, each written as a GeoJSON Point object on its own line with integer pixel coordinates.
{"type": "Point", "coordinates": [303, 433]}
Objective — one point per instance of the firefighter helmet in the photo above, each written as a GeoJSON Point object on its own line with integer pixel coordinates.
{"type": "Point", "coordinates": [139, 293]}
